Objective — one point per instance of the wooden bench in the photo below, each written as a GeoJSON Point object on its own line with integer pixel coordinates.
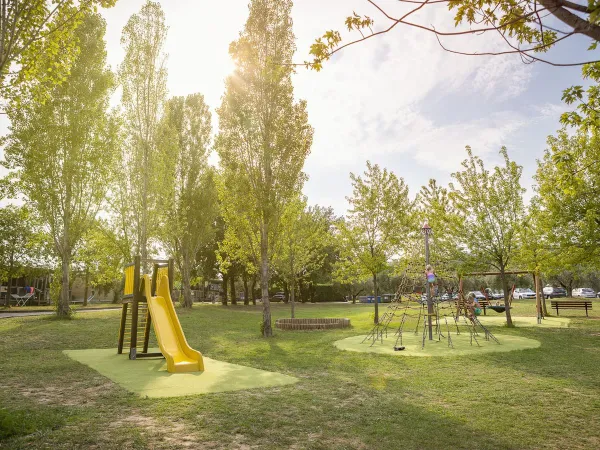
{"type": "Point", "coordinates": [482, 303]}
{"type": "Point", "coordinates": [571, 304]}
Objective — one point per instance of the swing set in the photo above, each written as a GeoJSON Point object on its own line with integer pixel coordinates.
{"type": "Point", "coordinates": [487, 303]}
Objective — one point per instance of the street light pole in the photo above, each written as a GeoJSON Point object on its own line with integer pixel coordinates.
{"type": "Point", "coordinates": [427, 231]}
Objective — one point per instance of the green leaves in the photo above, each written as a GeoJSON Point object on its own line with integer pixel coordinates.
{"type": "Point", "coordinates": [39, 41]}
{"type": "Point", "coordinates": [587, 113]}
{"type": "Point", "coordinates": [380, 216]}
{"type": "Point", "coordinates": [490, 210]}
{"type": "Point", "coordinates": [323, 47]}
{"type": "Point", "coordinates": [567, 184]}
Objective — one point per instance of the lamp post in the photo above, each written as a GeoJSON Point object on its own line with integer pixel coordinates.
{"type": "Point", "coordinates": [426, 229]}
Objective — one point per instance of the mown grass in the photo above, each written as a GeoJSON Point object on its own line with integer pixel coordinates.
{"type": "Point", "coordinates": [34, 307]}
{"type": "Point", "coordinates": [542, 398]}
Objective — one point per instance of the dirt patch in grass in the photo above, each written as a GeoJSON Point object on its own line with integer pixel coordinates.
{"type": "Point", "coordinates": [72, 394]}
{"type": "Point", "coordinates": [171, 433]}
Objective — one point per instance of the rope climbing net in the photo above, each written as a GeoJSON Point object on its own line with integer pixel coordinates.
{"type": "Point", "coordinates": [451, 314]}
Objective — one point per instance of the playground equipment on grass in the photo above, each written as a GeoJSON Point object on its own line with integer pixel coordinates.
{"type": "Point", "coordinates": [146, 302]}
{"type": "Point", "coordinates": [439, 315]}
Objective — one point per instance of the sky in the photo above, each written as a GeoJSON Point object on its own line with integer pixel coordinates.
{"type": "Point", "coordinates": [398, 100]}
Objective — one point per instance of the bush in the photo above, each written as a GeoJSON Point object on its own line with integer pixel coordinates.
{"type": "Point", "coordinates": [327, 293]}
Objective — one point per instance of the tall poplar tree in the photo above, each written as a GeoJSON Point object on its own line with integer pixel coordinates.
{"type": "Point", "coordinates": [264, 135]}
{"type": "Point", "coordinates": [143, 76]}
{"type": "Point", "coordinates": [64, 151]}
{"type": "Point", "coordinates": [189, 206]}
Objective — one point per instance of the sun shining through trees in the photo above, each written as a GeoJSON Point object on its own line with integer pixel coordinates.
{"type": "Point", "coordinates": [211, 184]}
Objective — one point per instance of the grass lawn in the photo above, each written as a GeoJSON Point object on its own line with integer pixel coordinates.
{"type": "Point", "coordinates": [35, 307]}
{"type": "Point", "coordinates": [547, 397]}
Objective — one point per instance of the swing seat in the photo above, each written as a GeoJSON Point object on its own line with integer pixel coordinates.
{"type": "Point", "coordinates": [497, 308]}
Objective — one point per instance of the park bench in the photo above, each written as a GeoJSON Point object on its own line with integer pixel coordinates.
{"type": "Point", "coordinates": [571, 304]}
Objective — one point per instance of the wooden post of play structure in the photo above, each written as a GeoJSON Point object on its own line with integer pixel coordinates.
{"type": "Point", "coordinates": [538, 300]}
{"type": "Point", "coordinates": [134, 309]}
{"type": "Point", "coordinates": [426, 229]}
{"type": "Point", "coordinates": [171, 275]}
{"type": "Point", "coordinates": [460, 299]}
{"type": "Point", "coordinates": [147, 332]}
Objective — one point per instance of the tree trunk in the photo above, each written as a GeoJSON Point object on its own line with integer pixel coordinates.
{"type": "Point", "coordinates": [63, 309]}
{"type": "Point", "coordinates": [87, 285]}
{"type": "Point", "coordinates": [186, 281]}
{"type": "Point", "coordinates": [246, 293]}
{"type": "Point", "coordinates": [286, 292]}
{"type": "Point", "coordinates": [224, 285]}
{"type": "Point", "coordinates": [264, 281]}
{"type": "Point", "coordinates": [254, 290]}
{"type": "Point", "coordinates": [293, 298]}
{"type": "Point", "coordinates": [232, 290]}
{"type": "Point", "coordinates": [509, 322]}
{"type": "Point", "coordinates": [376, 319]}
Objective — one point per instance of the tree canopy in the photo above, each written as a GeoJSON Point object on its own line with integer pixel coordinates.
{"type": "Point", "coordinates": [38, 43]}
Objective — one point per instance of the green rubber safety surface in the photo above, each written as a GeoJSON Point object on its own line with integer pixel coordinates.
{"type": "Point", "coordinates": [461, 345]}
{"type": "Point", "coordinates": [149, 377]}
{"type": "Point", "coordinates": [520, 322]}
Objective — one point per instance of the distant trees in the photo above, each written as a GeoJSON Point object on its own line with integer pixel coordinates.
{"type": "Point", "coordinates": [99, 260]}
{"type": "Point", "coordinates": [305, 234]}
{"type": "Point", "coordinates": [143, 77]}
{"type": "Point", "coordinates": [490, 211]}
{"type": "Point", "coordinates": [380, 215]}
{"type": "Point", "coordinates": [63, 152]}
{"type": "Point", "coordinates": [19, 242]}
{"type": "Point", "coordinates": [264, 136]}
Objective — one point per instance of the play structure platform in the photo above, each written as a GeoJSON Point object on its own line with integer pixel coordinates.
{"type": "Point", "coordinates": [147, 302]}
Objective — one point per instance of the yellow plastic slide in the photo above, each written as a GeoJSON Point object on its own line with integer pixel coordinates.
{"type": "Point", "coordinates": [179, 355]}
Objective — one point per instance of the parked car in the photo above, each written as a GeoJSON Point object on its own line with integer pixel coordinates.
{"type": "Point", "coordinates": [554, 292]}
{"type": "Point", "coordinates": [494, 295]}
{"type": "Point", "coordinates": [278, 297]}
{"type": "Point", "coordinates": [478, 295]}
{"type": "Point", "coordinates": [584, 292]}
{"type": "Point", "coordinates": [522, 293]}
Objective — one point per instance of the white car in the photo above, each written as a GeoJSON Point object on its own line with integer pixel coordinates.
{"type": "Point", "coordinates": [522, 293]}
{"type": "Point", "coordinates": [584, 292]}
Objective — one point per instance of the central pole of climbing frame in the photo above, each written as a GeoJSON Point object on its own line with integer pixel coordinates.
{"type": "Point", "coordinates": [427, 232]}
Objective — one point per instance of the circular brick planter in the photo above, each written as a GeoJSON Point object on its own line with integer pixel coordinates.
{"type": "Point", "coordinates": [311, 324]}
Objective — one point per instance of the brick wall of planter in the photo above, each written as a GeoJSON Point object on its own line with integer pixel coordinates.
{"type": "Point", "coordinates": [311, 324]}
